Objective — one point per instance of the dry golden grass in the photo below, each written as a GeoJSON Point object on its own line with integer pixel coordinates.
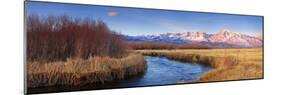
{"type": "Point", "coordinates": [228, 64]}
{"type": "Point", "coordinates": [75, 72]}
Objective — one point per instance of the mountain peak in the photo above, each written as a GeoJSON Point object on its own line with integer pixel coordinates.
{"type": "Point", "coordinates": [226, 32]}
{"type": "Point", "coordinates": [259, 36]}
{"type": "Point", "coordinates": [235, 38]}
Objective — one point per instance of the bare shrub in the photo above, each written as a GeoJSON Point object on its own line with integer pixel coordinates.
{"type": "Point", "coordinates": [60, 37]}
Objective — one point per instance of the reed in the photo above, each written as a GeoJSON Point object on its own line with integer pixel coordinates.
{"type": "Point", "coordinates": [78, 71]}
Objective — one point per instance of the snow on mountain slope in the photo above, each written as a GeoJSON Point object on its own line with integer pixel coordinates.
{"type": "Point", "coordinates": [225, 38]}
{"type": "Point", "coordinates": [235, 39]}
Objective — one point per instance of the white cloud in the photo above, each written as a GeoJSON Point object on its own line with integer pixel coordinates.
{"type": "Point", "coordinates": [112, 13]}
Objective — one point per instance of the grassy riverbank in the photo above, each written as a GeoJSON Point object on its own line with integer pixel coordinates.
{"type": "Point", "coordinates": [228, 64]}
{"type": "Point", "coordinates": [75, 72]}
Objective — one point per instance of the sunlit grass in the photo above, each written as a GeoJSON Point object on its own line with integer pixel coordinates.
{"type": "Point", "coordinates": [228, 64]}
{"type": "Point", "coordinates": [79, 71]}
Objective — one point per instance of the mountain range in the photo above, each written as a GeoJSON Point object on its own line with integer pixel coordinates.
{"type": "Point", "coordinates": [224, 38]}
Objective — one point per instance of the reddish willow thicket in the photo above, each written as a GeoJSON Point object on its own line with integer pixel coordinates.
{"type": "Point", "coordinates": [53, 38]}
{"type": "Point", "coordinates": [151, 45]}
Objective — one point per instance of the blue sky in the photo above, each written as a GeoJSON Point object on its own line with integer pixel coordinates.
{"type": "Point", "coordinates": [130, 21]}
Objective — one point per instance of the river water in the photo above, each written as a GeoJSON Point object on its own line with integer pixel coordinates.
{"type": "Point", "coordinates": [163, 71]}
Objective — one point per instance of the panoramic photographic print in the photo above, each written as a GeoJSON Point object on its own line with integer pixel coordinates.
{"type": "Point", "coordinates": [72, 47]}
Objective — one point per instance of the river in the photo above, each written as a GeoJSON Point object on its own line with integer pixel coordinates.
{"type": "Point", "coordinates": [160, 71]}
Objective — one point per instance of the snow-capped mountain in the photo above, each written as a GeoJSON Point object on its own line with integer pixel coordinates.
{"type": "Point", "coordinates": [178, 38]}
{"type": "Point", "coordinates": [235, 39]}
{"type": "Point", "coordinates": [225, 38]}
{"type": "Point", "coordinates": [259, 36]}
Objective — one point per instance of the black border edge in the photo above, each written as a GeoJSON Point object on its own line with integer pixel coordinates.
{"type": "Point", "coordinates": [24, 46]}
{"type": "Point", "coordinates": [263, 47]}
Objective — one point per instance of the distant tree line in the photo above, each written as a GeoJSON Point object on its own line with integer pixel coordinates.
{"type": "Point", "coordinates": [165, 45]}
{"type": "Point", "coordinates": [151, 45]}
{"type": "Point", "coordinates": [60, 37]}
